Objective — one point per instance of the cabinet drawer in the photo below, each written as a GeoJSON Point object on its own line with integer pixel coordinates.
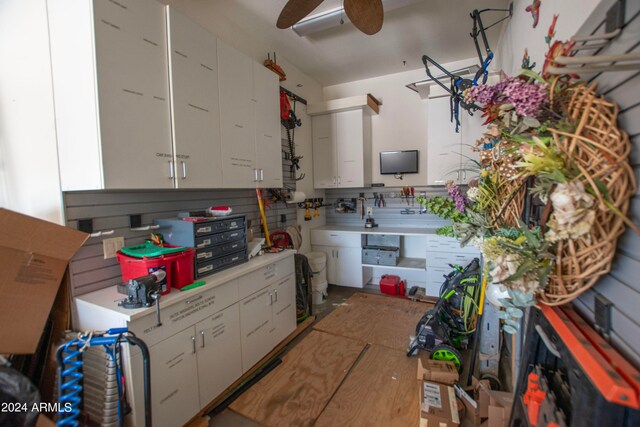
{"type": "Point", "coordinates": [447, 244]}
{"type": "Point", "coordinates": [256, 280]}
{"type": "Point", "coordinates": [443, 259]}
{"type": "Point", "coordinates": [205, 254]}
{"type": "Point", "coordinates": [336, 238]}
{"type": "Point", "coordinates": [435, 279]}
{"type": "Point", "coordinates": [185, 313]}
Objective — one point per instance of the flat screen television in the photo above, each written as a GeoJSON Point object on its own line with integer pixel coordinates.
{"type": "Point", "coordinates": [398, 162]}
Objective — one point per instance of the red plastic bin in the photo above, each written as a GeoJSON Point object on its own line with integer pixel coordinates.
{"type": "Point", "coordinates": [133, 268]}
{"type": "Point", "coordinates": [182, 267]}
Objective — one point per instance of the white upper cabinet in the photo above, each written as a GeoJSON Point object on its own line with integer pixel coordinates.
{"type": "Point", "coordinates": [109, 68]}
{"type": "Point", "coordinates": [235, 77]}
{"type": "Point", "coordinates": [267, 125]}
{"type": "Point", "coordinates": [342, 149]}
{"type": "Point", "coordinates": [193, 74]}
{"type": "Point", "coordinates": [250, 126]}
{"type": "Point", "coordinates": [449, 154]}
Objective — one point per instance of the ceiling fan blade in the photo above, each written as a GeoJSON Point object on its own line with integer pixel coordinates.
{"type": "Point", "coordinates": [366, 15]}
{"type": "Point", "coordinates": [294, 11]}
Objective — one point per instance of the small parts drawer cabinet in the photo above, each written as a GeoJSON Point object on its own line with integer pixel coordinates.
{"type": "Point", "coordinates": [219, 242]}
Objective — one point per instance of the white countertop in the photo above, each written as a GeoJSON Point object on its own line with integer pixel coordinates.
{"type": "Point", "coordinates": [108, 298]}
{"type": "Point", "coordinates": [405, 231]}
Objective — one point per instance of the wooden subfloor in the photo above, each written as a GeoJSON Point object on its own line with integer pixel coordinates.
{"type": "Point", "coordinates": [351, 370]}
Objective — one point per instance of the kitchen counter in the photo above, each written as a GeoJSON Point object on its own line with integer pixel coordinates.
{"type": "Point", "coordinates": [404, 231]}
{"type": "Point", "coordinates": [108, 298]}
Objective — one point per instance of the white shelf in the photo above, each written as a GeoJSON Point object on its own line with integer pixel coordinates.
{"type": "Point", "coordinates": [404, 264]}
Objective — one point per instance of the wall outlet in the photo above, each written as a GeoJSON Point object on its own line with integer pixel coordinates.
{"type": "Point", "coordinates": [111, 246]}
{"type": "Point", "coordinates": [369, 210]}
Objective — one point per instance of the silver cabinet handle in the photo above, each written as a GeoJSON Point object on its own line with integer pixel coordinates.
{"type": "Point", "coordinates": [271, 298]}
{"type": "Point", "coordinates": [255, 175]}
{"type": "Point", "coordinates": [261, 174]}
{"type": "Point", "coordinates": [184, 169]}
{"type": "Point", "coordinates": [170, 169]}
{"type": "Point", "coordinates": [334, 179]}
{"type": "Point", "coordinates": [464, 174]}
{"type": "Point", "coordinates": [337, 253]}
{"type": "Point", "coordinates": [276, 292]}
{"type": "Point", "coordinates": [193, 343]}
{"type": "Point", "coordinates": [339, 180]}
{"type": "Point", "coordinates": [202, 336]}
{"type": "Point", "coordinates": [239, 126]}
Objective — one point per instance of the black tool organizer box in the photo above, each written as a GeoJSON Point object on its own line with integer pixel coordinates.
{"type": "Point", "coordinates": [219, 242]}
{"type": "Point", "coordinates": [577, 377]}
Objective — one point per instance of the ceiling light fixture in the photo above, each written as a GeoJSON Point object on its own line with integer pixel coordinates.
{"type": "Point", "coordinates": [336, 17]}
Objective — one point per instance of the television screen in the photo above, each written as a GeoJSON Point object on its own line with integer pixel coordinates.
{"type": "Point", "coordinates": [397, 162]}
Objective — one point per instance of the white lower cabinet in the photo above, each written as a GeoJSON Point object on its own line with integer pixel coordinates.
{"type": "Point", "coordinates": [266, 318]}
{"type": "Point", "coordinates": [343, 265]}
{"type": "Point", "coordinates": [207, 339]}
{"type": "Point", "coordinates": [219, 352]}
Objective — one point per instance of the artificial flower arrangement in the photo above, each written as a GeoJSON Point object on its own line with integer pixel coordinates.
{"type": "Point", "coordinates": [556, 144]}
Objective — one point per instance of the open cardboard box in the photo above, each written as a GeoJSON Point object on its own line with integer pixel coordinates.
{"type": "Point", "coordinates": [33, 258]}
{"type": "Point", "coordinates": [439, 371]}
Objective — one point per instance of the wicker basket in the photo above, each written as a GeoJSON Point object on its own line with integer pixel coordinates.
{"type": "Point", "coordinates": [601, 151]}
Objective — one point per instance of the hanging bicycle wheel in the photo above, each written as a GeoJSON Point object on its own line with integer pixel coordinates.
{"type": "Point", "coordinates": [447, 353]}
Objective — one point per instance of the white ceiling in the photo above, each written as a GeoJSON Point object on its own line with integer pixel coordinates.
{"type": "Point", "coordinates": [438, 28]}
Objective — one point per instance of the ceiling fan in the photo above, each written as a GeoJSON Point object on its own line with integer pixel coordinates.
{"type": "Point", "coordinates": [366, 15]}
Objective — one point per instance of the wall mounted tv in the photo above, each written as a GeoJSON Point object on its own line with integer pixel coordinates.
{"type": "Point", "coordinates": [398, 162]}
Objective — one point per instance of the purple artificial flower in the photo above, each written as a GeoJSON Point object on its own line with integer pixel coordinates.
{"type": "Point", "coordinates": [456, 195]}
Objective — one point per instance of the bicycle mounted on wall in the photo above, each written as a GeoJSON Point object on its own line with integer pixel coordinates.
{"type": "Point", "coordinates": [458, 84]}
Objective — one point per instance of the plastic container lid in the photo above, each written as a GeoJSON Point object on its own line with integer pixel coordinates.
{"type": "Point", "coordinates": [149, 250]}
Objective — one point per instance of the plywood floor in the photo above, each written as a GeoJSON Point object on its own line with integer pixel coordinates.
{"type": "Point", "coordinates": [375, 319]}
{"type": "Point", "coordinates": [351, 370]}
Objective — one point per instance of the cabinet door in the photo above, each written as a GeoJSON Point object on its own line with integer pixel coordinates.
{"type": "Point", "coordinates": [283, 308]}
{"type": "Point", "coordinates": [349, 267]}
{"type": "Point", "coordinates": [349, 148]}
{"type": "Point", "coordinates": [267, 122]}
{"type": "Point", "coordinates": [332, 260]}
{"type": "Point", "coordinates": [255, 324]}
{"type": "Point", "coordinates": [471, 129]}
{"type": "Point", "coordinates": [195, 109]}
{"type": "Point", "coordinates": [443, 144]}
{"type": "Point", "coordinates": [324, 151]}
{"type": "Point", "coordinates": [219, 353]}
{"type": "Point", "coordinates": [235, 82]}
{"type": "Point", "coordinates": [174, 380]}
{"type": "Point", "coordinates": [133, 94]}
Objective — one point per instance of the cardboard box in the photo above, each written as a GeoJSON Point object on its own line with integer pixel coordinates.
{"type": "Point", "coordinates": [481, 390]}
{"type": "Point", "coordinates": [438, 407]}
{"type": "Point", "coordinates": [33, 258]}
{"type": "Point", "coordinates": [499, 410]}
{"type": "Point", "coordinates": [439, 371]}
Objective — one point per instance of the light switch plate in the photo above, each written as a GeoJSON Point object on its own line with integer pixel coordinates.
{"type": "Point", "coordinates": [369, 210]}
{"type": "Point", "coordinates": [111, 246]}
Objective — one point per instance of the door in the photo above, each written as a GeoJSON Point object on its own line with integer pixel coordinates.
{"type": "Point", "coordinates": [267, 122]}
{"type": "Point", "coordinates": [348, 267]}
{"type": "Point", "coordinates": [174, 380]}
{"type": "Point", "coordinates": [195, 105]}
{"type": "Point", "coordinates": [235, 82]}
{"type": "Point", "coordinates": [255, 324]}
{"type": "Point", "coordinates": [219, 353]}
{"type": "Point", "coordinates": [133, 94]}
{"type": "Point", "coordinates": [443, 144]}
{"type": "Point", "coordinates": [283, 308]}
{"type": "Point", "coordinates": [349, 148]}
{"type": "Point", "coordinates": [324, 151]}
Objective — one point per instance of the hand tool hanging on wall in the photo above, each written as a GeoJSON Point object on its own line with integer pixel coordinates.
{"type": "Point", "coordinates": [263, 217]}
{"type": "Point", "coordinates": [290, 122]}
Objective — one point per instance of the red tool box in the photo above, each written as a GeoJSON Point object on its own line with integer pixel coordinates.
{"type": "Point", "coordinates": [392, 285]}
